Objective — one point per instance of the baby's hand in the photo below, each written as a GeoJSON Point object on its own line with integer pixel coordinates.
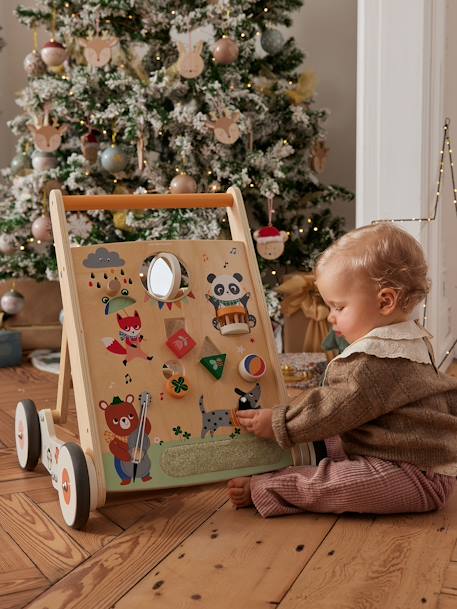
{"type": "Point", "coordinates": [257, 422]}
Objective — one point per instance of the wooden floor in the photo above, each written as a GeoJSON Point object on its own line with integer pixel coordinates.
{"type": "Point", "coordinates": [190, 548]}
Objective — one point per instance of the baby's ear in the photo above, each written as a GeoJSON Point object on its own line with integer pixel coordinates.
{"type": "Point", "coordinates": [387, 299]}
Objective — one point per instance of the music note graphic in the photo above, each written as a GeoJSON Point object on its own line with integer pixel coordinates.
{"type": "Point", "coordinates": [128, 378]}
{"type": "Point", "coordinates": [225, 264]}
{"type": "Point", "coordinates": [233, 250]}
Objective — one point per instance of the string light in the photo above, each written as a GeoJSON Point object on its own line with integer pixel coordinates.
{"type": "Point", "coordinates": [446, 143]}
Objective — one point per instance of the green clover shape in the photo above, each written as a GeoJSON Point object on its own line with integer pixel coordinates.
{"type": "Point", "coordinates": [179, 385]}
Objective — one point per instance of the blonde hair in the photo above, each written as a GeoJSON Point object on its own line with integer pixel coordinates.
{"type": "Point", "coordinates": [390, 257]}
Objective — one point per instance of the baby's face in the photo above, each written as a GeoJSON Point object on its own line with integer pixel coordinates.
{"type": "Point", "coordinates": [352, 300]}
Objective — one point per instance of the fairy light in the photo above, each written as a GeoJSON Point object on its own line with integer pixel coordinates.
{"type": "Point", "coordinates": [445, 143]}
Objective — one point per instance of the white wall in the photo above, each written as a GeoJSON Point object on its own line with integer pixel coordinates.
{"type": "Point", "coordinates": [324, 29]}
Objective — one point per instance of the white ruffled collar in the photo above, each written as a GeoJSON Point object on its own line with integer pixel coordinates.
{"type": "Point", "coordinates": [406, 339]}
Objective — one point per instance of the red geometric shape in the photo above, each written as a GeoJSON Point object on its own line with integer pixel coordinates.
{"type": "Point", "coordinates": [180, 343]}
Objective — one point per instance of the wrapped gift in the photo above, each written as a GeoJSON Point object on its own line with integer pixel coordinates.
{"type": "Point", "coordinates": [10, 348]}
{"type": "Point", "coordinates": [302, 370]}
{"type": "Point", "coordinates": [305, 315]}
{"type": "Point", "coordinates": [38, 322]}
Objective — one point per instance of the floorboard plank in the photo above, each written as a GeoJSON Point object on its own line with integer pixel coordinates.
{"type": "Point", "coordinates": [11, 470]}
{"type": "Point", "coordinates": [377, 562]}
{"type": "Point", "coordinates": [98, 532]}
{"type": "Point", "coordinates": [51, 549]}
{"type": "Point", "coordinates": [446, 602]}
{"type": "Point", "coordinates": [235, 555]}
{"type": "Point", "coordinates": [101, 580]}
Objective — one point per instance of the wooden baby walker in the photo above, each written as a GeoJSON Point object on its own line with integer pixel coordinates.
{"type": "Point", "coordinates": [165, 341]}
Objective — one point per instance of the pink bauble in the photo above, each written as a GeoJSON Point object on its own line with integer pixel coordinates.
{"type": "Point", "coordinates": [53, 53]}
{"type": "Point", "coordinates": [183, 183]}
{"type": "Point", "coordinates": [42, 228]}
{"type": "Point", "coordinates": [226, 51]}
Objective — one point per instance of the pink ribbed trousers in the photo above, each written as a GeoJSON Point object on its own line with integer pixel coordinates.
{"type": "Point", "coordinates": [356, 484]}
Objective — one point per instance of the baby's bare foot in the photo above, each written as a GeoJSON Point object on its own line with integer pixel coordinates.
{"type": "Point", "coordinates": [239, 491]}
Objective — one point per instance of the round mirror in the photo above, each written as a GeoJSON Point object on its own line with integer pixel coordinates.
{"type": "Point", "coordinates": [166, 278]}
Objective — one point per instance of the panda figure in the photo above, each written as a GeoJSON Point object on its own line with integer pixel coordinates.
{"type": "Point", "coordinates": [229, 299]}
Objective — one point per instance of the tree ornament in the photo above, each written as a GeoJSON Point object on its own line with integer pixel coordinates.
{"type": "Point", "coordinates": [20, 163]}
{"type": "Point", "coordinates": [12, 302]}
{"type": "Point", "coordinates": [225, 128]}
{"type": "Point", "coordinates": [42, 161]}
{"type": "Point", "coordinates": [53, 53]}
{"type": "Point", "coordinates": [272, 41]}
{"type": "Point", "coordinates": [304, 89]}
{"type": "Point", "coordinates": [47, 138]}
{"type": "Point", "coordinates": [120, 220]}
{"type": "Point", "coordinates": [34, 66]}
{"type": "Point", "coordinates": [98, 50]}
{"type": "Point", "coordinates": [90, 146]}
{"type": "Point", "coordinates": [190, 63]}
{"type": "Point", "coordinates": [183, 183]}
{"type": "Point", "coordinates": [270, 240]}
{"type": "Point", "coordinates": [319, 156]}
{"type": "Point", "coordinates": [7, 244]}
{"type": "Point", "coordinates": [114, 159]}
{"type": "Point", "coordinates": [42, 229]}
{"type": "Point", "coordinates": [226, 51]}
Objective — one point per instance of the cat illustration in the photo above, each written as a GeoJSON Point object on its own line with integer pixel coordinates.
{"type": "Point", "coordinates": [130, 337]}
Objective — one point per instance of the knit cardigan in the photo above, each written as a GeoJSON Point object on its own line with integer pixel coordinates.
{"type": "Point", "coordinates": [384, 400]}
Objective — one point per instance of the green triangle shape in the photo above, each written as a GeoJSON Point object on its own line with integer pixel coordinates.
{"type": "Point", "coordinates": [214, 364]}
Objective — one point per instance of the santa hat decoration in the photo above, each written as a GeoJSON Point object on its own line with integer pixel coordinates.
{"type": "Point", "coordinates": [270, 241]}
{"type": "Point", "coordinates": [268, 234]}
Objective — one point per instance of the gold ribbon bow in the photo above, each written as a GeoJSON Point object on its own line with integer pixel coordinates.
{"type": "Point", "coordinates": [300, 294]}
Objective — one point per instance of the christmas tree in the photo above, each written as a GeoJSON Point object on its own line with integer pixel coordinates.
{"type": "Point", "coordinates": [135, 96]}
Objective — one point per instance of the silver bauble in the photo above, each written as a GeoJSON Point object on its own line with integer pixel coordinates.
{"type": "Point", "coordinates": [42, 161]}
{"type": "Point", "coordinates": [272, 41]}
{"type": "Point", "coordinates": [19, 163]}
{"type": "Point", "coordinates": [183, 183]}
{"type": "Point", "coordinates": [12, 302]}
{"type": "Point", "coordinates": [7, 244]}
{"type": "Point", "coordinates": [114, 159]}
{"type": "Point", "coordinates": [33, 65]}
{"type": "Point", "coordinates": [42, 229]}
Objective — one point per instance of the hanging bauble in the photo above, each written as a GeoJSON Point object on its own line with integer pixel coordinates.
{"type": "Point", "coordinates": [42, 229]}
{"type": "Point", "coordinates": [114, 159]}
{"type": "Point", "coordinates": [270, 242]}
{"type": "Point", "coordinates": [7, 244]}
{"type": "Point", "coordinates": [215, 187]}
{"type": "Point", "coordinates": [190, 63]}
{"type": "Point", "coordinates": [12, 302]}
{"type": "Point", "coordinates": [19, 163]}
{"type": "Point", "coordinates": [272, 41]}
{"type": "Point", "coordinates": [33, 65]}
{"type": "Point", "coordinates": [183, 183]}
{"type": "Point", "coordinates": [90, 146]}
{"type": "Point", "coordinates": [53, 53]}
{"type": "Point", "coordinates": [42, 161]}
{"type": "Point", "coordinates": [120, 220]}
{"type": "Point", "coordinates": [226, 51]}
{"type": "Point", "coordinates": [225, 128]}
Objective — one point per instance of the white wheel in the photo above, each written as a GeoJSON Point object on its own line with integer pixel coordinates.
{"type": "Point", "coordinates": [73, 485]}
{"type": "Point", "coordinates": [28, 435]}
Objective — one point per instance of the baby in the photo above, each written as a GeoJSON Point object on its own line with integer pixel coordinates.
{"type": "Point", "coordinates": [388, 417]}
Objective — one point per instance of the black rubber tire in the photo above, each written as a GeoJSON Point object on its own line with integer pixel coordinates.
{"type": "Point", "coordinates": [82, 483]}
{"type": "Point", "coordinates": [33, 433]}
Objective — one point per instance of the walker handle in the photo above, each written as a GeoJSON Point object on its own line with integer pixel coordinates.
{"type": "Point", "coordinates": [156, 201]}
